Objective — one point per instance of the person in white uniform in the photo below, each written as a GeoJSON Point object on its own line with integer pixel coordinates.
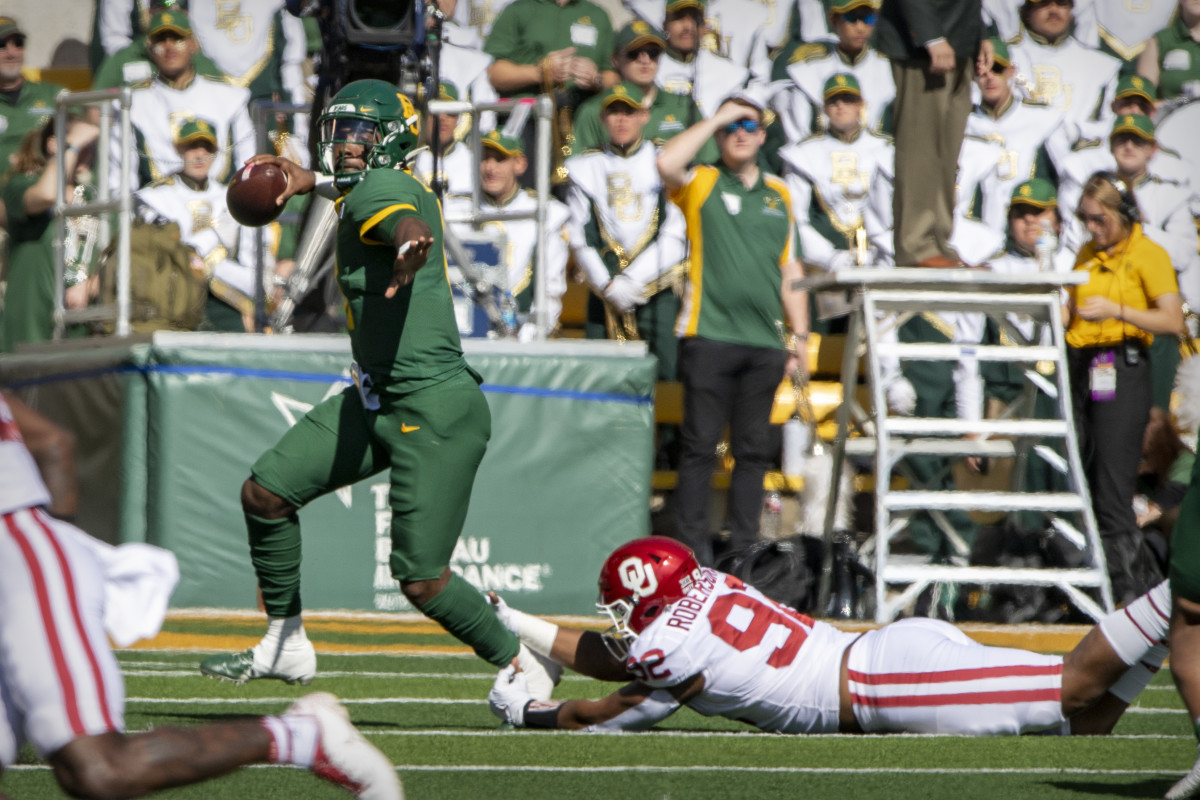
{"type": "Point", "coordinates": [161, 105]}
{"type": "Point", "coordinates": [60, 684]}
{"type": "Point", "coordinates": [197, 204]}
{"type": "Point", "coordinates": [688, 68]}
{"type": "Point", "coordinates": [500, 169]}
{"type": "Point", "coordinates": [686, 635]}
{"type": "Point", "coordinates": [831, 175]}
{"type": "Point", "coordinates": [1056, 69]}
{"type": "Point", "coordinates": [798, 100]}
{"type": "Point", "coordinates": [627, 239]}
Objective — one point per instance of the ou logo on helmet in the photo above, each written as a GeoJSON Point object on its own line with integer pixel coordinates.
{"type": "Point", "coordinates": [638, 577]}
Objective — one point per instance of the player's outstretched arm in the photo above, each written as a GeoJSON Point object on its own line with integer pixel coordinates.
{"type": "Point", "coordinates": [633, 707]}
{"type": "Point", "coordinates": [574, 648]}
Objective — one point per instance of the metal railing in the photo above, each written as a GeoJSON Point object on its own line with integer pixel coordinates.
{"type": "Point", "coordinates": [103, 205]}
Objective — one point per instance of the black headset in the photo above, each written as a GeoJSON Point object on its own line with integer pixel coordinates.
{"type": "Point", "coordinates": [1128, 208]}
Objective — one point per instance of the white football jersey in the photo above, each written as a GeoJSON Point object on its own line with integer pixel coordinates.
{"type": "Point", "coordinates": [21, 484]}
{"type": "Point", "coordinates": [763, 663]}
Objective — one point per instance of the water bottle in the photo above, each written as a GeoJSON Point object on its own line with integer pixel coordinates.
{"type": "Point", "coordinates": [1047, 246]}
{"type": "Point", "coordinates": [772, 516]}
{"type": "Point", "coordinates": [795, 443]}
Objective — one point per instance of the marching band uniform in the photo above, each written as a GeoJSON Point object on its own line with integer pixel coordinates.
{"type": "Point", "coordinates": [622, 224]}
{"type": "Point", "coordinates": [1065, 75]}
{"type": "Point", "coordinates": [830, 181]}
{"type": "Point", "coordinates": [800, 99]}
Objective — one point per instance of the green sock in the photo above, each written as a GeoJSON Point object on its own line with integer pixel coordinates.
{"type": "Point", "coordinates": [464, 612]}
{"type": "Point", "coordinates": [275, 553]}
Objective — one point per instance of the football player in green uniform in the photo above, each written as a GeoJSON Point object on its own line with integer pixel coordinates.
{"type": "Point", "coordinates": [416, 408]}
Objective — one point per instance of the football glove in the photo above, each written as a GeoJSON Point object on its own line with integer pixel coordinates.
{"type": "Point", "coordinates": [624, 294]}
{"type": "Point", "coordinates": [902, 397]}
{"type": "Point", "coordinates": [509, 696]}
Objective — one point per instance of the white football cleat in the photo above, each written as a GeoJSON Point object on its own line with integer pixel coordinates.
{"type": "Point", "coordinates": [344, 756]}
{"type": "Point", "coordinates": [296, 665]}
{"type": "Point", "coordinates": [541, 674]}
{"type": "Point", "coordinates": [1188, 785]}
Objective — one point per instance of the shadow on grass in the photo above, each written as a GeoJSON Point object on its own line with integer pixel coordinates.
{"type": "Point", "coordinates": [1150, 787]}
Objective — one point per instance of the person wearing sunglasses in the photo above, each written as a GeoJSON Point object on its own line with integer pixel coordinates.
{"type": "Point", "coordinates": [24, 104]}
{"type": "Point", "coordinates": [743, 326]}
{"type": "Point", "coordinates": [797, 95]}
{"type": "Point", "coordinates": [1130, 298]}
{"type": "Point", "coordinates": [639, 51]}
{"type": "Point", "coordinates": [1058, 69]}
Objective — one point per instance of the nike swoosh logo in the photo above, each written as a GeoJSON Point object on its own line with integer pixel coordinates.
{"type": "Point", "coordinates": [409, 428]}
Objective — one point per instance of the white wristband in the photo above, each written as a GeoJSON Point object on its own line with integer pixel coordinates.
{"type": "Point", "coordinates": [536, 632]}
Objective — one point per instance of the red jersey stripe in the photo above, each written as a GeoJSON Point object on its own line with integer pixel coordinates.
{"type": "Point", "coordinates": [952, 675]}
{"type": "Point", "coordinates": [1141, 630]}
{"type": "Point", "coordinates": [964, 699]}
{"type": "Point", "coordinates": [77, 618]}
{"type": "Point", "coordinates": [51, 630]}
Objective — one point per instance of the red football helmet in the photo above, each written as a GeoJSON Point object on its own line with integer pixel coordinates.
{"type": "Point", "coordinates": [639, 580]}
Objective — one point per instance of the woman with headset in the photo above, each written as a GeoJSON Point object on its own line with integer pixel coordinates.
{"type": "Point", "coordinates": [1130, 296]}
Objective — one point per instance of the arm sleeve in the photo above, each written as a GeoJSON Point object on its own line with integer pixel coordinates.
{"type": "Point", "coordinates": [580, 207]}
{"type": "Point", "coordinates": [645, 715]}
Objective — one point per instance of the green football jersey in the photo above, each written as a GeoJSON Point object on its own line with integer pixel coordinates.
{"type": "Point", "coordinates": [410, 341]}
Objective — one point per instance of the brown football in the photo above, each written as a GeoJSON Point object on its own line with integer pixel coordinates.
{"type": "Point", "coordinates": [252, 192]}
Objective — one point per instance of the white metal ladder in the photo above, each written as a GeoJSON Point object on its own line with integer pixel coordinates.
{"type": "Point", "coordinates": [882, 296]}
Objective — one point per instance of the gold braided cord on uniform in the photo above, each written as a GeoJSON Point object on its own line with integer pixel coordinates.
{"type": "Point", "coordinates": [939, 324]}
{"type": "Point", "coordinates": [623, 326]}
{"type": "Point", "coordinates": [231, 296]}
{"type": "Point", "coordinates": [1127, 52]}
{"type": "Point", "coordinates": [625, 258]}
{"type": "Point", "coordinates": [849, 231]}
{"type": "Point", "coordinates": [247, 77]}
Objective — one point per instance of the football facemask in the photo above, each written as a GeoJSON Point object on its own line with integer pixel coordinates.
{"type": "Point", "coordinates": [371, 113]}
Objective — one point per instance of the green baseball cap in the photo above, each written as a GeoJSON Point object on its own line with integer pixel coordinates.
{"type": "Point", "coordinates": [1136, 86]}
{"type": "Point", "coordinates": [680, 5]}
{"type": "Point", "coordinates": [196, 130]}
{"type": "Point", "coordinates": [637, 34]}
{"type": "Point", "coordinates": [842, 83]}
{"type": "Point", "coordinates": [842, 6]}
{"type": "Point", "coordinates": [508, 145]}
{"type": "Point", "coordinates": [10, 27]}
{"type": "Point", "coordinates": [174, 21]}
{"type": "Point", "coordinates": [625, 93]}
{"type": "Point", "coordinates": [1036, 192]}
{"type": "Point", "coordinates": [447, 91]}
{"type": "Point", "coordinates": [1000, 48]}
{"type": "Point", "coordinates": [1137, 124]}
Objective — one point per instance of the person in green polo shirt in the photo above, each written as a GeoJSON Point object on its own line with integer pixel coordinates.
{"type": "Point", "coordinates": [548, 45]}
{"type": "Point", "coordinates": [24, 104]}
{"type": "Point", "coordinates": [734, 347]}
{"type": "Point", "coordinates": [1171, 60]}
{"type": "Point", "coordinates": [639, 49]}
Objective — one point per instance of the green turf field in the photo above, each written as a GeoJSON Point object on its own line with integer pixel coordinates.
{"type": "Point", "coordinates": [429, 714]}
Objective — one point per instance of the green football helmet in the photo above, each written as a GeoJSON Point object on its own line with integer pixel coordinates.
{"type": "Point", "coordinates": [373, 115]}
